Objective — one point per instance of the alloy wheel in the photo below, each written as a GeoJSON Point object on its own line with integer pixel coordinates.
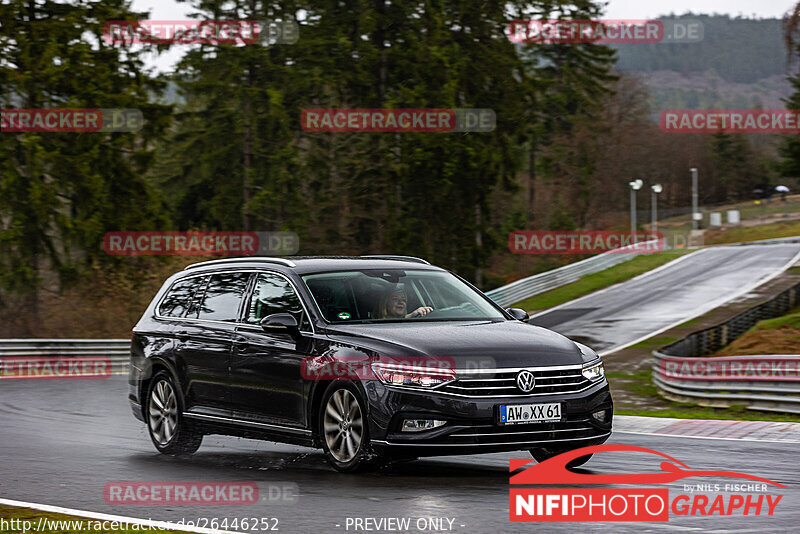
{"type": "Point", "coordinates": [163, 410]}
{"type": "Point", "coordinates": [343, 425]}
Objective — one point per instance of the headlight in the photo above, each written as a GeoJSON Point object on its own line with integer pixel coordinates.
{"type": "Point", "coordinates": [594, 372]}
{"type": "Point", "coordinates": [410, 376]}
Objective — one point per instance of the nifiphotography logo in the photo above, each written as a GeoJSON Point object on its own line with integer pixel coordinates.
{"type": "Point", "coordinates": [631, 504]}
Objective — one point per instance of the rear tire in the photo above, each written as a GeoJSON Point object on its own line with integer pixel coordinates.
{"type": "Point", "coordinates": [344, 429]}
{"type": "Point", "coordinates": [168, 429]}
{"type": "Point", "coordinates": [540, 455]}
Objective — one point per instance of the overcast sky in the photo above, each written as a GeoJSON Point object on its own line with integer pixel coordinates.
{"type": "Point", "coordinates": [617, 9]}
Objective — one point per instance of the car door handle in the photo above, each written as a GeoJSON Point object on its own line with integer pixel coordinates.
{"type": "Point", "coordinates": [182, 335]}
{"type": "Point", "coordinates": [240, 345]}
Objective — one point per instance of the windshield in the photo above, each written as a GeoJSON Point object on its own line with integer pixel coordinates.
{"type": "Point", "coordinates": [384, 295]}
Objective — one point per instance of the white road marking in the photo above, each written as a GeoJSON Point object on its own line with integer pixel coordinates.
{"type": "Point", "coordinates": [667, 526]}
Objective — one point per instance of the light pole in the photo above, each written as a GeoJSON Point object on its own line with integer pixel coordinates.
{"type": "Point", "coordinates": [654, 207]}
{"type": "Point", "coordinates": [694, 198]}
{"type": "Point", "coordinates": [635, 186]}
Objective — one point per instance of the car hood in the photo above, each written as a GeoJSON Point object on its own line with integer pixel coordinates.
{"type": "Point", "coordinates": [482, 343]}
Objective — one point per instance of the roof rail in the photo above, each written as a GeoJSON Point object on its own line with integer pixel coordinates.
{"type": "Point", "coordinates": [281, 261]}
{"type": "Point", "coordinates": [400, 258]}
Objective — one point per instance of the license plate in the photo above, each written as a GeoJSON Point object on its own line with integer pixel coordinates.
{"type": "Point", "coordinates": [530, 413]}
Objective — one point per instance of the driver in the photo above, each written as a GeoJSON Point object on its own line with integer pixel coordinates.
{"type": "Point", "coordinates": [392, 305]}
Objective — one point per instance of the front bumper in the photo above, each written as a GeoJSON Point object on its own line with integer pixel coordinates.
{"type": "Point", "coordinates": [472, 425]}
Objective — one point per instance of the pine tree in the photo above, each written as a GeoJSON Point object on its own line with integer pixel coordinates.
{"type": "Point", "coordinates": [571, 79]}
{"type": "Point", "coordinates": [231, 161]}
{"type": "Point", "coordinates": [60, 192]}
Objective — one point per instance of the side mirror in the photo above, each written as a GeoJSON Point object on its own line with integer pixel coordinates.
{"type": "Point", "coordinates": [280, 323]}
{"type": "Point", "coordinates": [518, 314]}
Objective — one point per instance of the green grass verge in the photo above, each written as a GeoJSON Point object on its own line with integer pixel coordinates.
{"type": "Point", "coordinates": [641, 385]}
{"type": "Point", "coordinates": [690, 322]}
{"type": "Point", "coordinates": [788, 321]}
{"type": "Point", "coordinates": [735, 413]}
{"type": "Point", "coordinates": [747, 210]}
{"type": "Point", "coordinates": [655, 342]}
{"type": "Point", "coordinates": [752, 233]}
{"type": "Point", "coordinates": [62, 523]}
{"type": "Point", "coordinates": [600, 280]}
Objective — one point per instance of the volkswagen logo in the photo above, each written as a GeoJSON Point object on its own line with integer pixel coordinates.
{"type": "Point", "coordinates": [525, 381]}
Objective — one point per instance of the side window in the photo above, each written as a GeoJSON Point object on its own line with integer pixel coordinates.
{"type": "Point", "coordinates": [179, 297]}
{"type": "Point", "coordinates": [274, 294]}
{"type": "Point", "coordinates": [223, 297]}
{"type": "Point", "coordinates": [334, 297]}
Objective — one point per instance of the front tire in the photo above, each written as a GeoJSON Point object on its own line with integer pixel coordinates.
{"type": "Point", "coordinates": [168, 430]}
{"type": "Point", "coordinates": [343, 427]}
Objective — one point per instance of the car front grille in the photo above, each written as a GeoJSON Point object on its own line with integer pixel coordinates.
{"type": "Point", "coordinates": [504, 383]}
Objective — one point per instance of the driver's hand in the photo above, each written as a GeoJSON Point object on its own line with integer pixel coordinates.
{"type": "Point", "coordinates": [422, 311]}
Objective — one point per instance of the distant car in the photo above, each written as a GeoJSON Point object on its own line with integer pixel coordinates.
{"type": "Point", "coordinates": [433, 366]}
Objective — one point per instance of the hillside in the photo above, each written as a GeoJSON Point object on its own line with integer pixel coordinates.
{"type": "Point", "coordinates": [740, 63]}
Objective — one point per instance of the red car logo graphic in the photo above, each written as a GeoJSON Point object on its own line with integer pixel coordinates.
{"type": "Point", "coordinates": [554, 470]}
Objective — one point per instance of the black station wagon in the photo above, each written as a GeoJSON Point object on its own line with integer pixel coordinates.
{"type": "Point", "coordinates": [369, 358]}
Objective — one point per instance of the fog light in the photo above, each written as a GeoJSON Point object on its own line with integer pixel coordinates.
{"type": "Point", "coordinates": [415, 425]}
{"type": "Point", "coordinates": [600, 416]}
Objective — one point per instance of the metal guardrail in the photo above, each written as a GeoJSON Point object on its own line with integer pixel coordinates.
{"type": "Point", "coordinates": [539, 283]}
{"type": "Point", "coordinates": [710, 340]}
{"type": "Point", "coordinates": [770, 383]}
{"type": "Point", "coordinates": [675, 371]}
{"type": "Point", "coordinates": [116, 350]}
{"type": "Point", "coordinates": [775, 241]}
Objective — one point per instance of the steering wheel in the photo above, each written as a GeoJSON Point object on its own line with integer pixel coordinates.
{"type": "Point", "coordinates": [432, 312]}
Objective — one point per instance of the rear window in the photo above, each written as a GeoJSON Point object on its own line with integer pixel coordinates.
{"type": "Point", "coordinates": [223, 297]}
{"type": "Point", "coordinates": [178, 299]}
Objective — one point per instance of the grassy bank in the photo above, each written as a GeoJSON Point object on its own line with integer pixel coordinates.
{"type": "Point", "coordinates": [780, 335]}
{"type": "Point", "coordinates": [752, 233]}
{"type": "Point", "coordinates": [748, 210]}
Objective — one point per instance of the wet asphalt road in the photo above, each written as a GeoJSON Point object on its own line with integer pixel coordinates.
{"type": "Point", "coordinates": [62, 441]}
{"type": "Point", "coordinates": [690, 286]}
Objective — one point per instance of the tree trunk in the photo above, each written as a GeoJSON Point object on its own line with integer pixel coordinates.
{"type": "Point", "coordinates": [532, 185]}
{"type": "Point", "coordinates": [247, 149]}
{"type": "Point", "coordinates": [478, 245]}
